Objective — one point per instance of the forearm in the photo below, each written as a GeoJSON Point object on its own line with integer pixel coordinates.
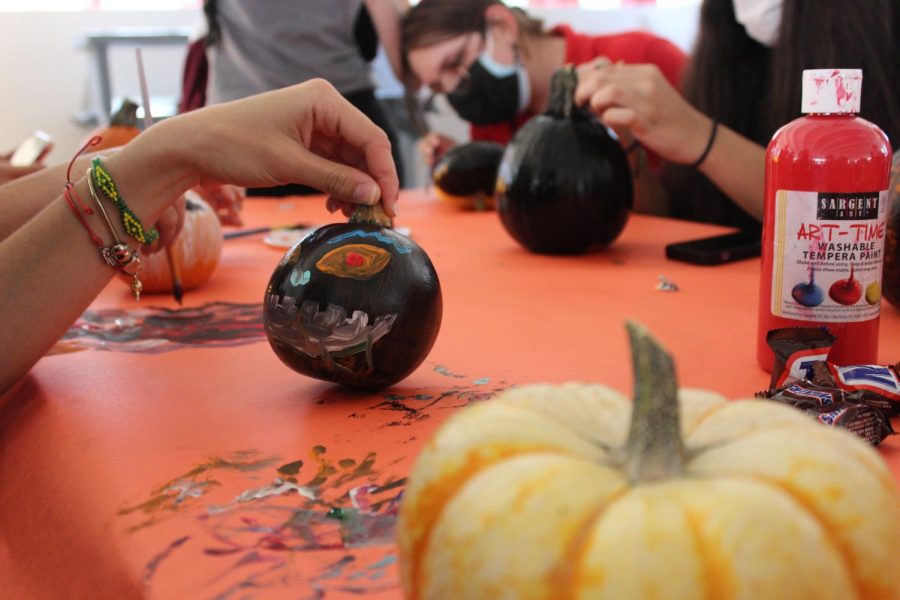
{"type": "Point", "coordinates": [50, 270]}
{"type": "Point", "coordinates": [23, 198]}
{"type": "Point", "coordinates": [49, 273]}
{"type": "Point", "coordinates": [386, 16]}
{"type": "Point", "coordinates": [738, 167]}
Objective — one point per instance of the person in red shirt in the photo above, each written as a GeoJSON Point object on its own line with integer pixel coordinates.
{"type": "Point", "coordinates": [495, 63]}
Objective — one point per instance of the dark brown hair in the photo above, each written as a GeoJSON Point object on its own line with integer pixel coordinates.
{"type": "Point", "coordinates": [755, 90]}
{"type": "Point", "coordinates": [433, 21]}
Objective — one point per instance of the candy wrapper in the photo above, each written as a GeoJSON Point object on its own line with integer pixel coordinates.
{"type": "Point", "coordinates": [796, 350]}
{"type": "Point", "coordinates": [860, 398]}
{"type": "Point", "coordinates": [836, 408]}
{"type": "Point", "coordinates": [876, 385]}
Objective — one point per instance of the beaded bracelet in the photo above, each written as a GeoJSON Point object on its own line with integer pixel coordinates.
{"type": "Point", "coordinates": [119, 255]}
{"type": "Point", "coordinates": [130, 221]}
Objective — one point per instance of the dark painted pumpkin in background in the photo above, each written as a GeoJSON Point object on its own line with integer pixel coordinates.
{"type": "Point", "coordinates": [564, 183]}
{"type": "Point", "coordinates": [354, 303]}
{"type": "Point", "coordinates": [466, 175]}
{"type": "Point", "coordinates": [890, 280]}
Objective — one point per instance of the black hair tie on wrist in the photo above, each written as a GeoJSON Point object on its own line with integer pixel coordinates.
{"type": "Point", "coordinates": [709, 145]}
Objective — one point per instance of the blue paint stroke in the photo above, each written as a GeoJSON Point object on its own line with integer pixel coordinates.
{"type": "Point", "coordinates": [336, 569]}
{"type": "Point", "coordinates": [377, 569]}
{"type": "Point", "coordinates": [442, 370]}
{"type": "Point", "coordinates": [150, 567]}
{"type": "Point", "coordinates": [482, 381]}
{"type": "Point", "coordinates": [384, 562]}
{"type": "Point", "coordinates": [401, 247]}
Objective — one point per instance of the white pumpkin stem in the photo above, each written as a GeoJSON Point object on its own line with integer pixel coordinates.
{"type": "Point", "coordinates": [371, 215]}
{"type": "Point", "coordinates": [654, 449]}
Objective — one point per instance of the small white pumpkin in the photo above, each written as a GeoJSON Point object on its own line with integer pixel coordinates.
{"type": "Point", "coordinates": [547, 492]}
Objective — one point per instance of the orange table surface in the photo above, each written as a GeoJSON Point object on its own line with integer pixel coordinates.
{"type": "Point", "coordinates": [214, 471]}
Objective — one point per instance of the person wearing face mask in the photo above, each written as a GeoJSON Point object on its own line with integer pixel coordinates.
{"type": "Point", "coordinates": [494, 64]}
{"type": "Point", "coordinates": [742, 84]}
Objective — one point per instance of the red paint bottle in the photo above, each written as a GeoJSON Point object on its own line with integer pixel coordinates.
{"type": "Point", "coordinates": [825, 219]}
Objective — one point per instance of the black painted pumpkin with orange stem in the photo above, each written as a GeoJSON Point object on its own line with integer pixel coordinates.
{"type": "Point", "coordinates": [466, 175]}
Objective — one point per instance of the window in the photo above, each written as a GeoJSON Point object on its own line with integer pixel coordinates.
{"type": "Point", "coordinates": [81, 5]}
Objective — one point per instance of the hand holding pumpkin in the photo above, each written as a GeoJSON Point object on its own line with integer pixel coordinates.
{"type": "Point", "coordinates": [640, 99]}
{"type": "Point", "coordinates": [307, 133]}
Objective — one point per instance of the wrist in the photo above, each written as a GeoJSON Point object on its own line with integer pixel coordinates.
{"type": "Point", "coordinates": [708, 146]}
{"type": "Point", "coordinates": [151, 172]}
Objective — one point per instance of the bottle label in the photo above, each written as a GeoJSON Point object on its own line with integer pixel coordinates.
{"type": "Point", "coordinates": [828, 254]}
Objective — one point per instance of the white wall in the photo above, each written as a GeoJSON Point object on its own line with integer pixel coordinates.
{"type": "Point", "coordinates": [46, 72]}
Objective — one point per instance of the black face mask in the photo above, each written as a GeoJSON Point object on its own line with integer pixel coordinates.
{"type": "Point", "coordinates": [482, 98]}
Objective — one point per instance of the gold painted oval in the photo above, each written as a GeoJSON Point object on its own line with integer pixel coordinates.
{"type": "Point", "coordinates": [354, 261]}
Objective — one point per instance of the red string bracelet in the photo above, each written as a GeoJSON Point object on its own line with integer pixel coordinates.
{"type": "Point", "coordinates": [71, 195]}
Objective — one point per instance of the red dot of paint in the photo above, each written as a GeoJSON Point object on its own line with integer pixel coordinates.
{"type": "Point", "coordinates": [354, 260]}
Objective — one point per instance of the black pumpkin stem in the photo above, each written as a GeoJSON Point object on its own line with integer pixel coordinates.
{"type": "Point", "coordinates": [126, 116]}
{"type": "Point", "coordinates": [654, 449]}
{"type": "Point", "coordinates": [562, 92]}
{"type": "Point", "coordinates": [371, 215]}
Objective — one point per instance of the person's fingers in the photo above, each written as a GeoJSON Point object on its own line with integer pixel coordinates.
{"type": "Point", "coordinates": [232, 201]}
{"type": "Point", "coordinates": [618, 95]}
{"type": "Point", "coordinates": [339, 119]}
{"type": "Point", "coordinates": [332, 204]}
{"type": "Point", "coordinates": [342, 153]}
{"type": "Point", "coordinates": [623, 77]}
{"type": "Point", "coordinates": [168, 225]}
{"type": "Point", "coordinates": [428, 149]}
{"type": "Point", "coordinates": [622, 118]}
{"type": "Point", "coordinates": [226, 200]}
{"type": "Point", "coordinates": [433, 146]}
{"type": "Point", "coordinates": [180, 207]}
{"type": "Point", "coordinates": [584, 70]}
{"type": "Point", "coordinates": [339, 180]}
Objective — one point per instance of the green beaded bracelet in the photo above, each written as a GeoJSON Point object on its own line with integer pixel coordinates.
{"type": "Point", "coordinates": [130, 221]}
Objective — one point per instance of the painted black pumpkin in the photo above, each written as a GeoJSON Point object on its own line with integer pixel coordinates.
{"type": "Point", "coordinates": [355, 303]}
{"type": "Point", "coordinates": [466, 175]}
{"type": "Point", "coordinates": [564, 184]}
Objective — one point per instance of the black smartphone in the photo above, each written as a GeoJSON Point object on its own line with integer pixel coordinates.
{"type": "Point", "coordinates": [718, 249]}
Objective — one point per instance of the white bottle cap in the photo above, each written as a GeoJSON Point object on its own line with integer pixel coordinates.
{"type": "Point", "coordinates": [829, 91]}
